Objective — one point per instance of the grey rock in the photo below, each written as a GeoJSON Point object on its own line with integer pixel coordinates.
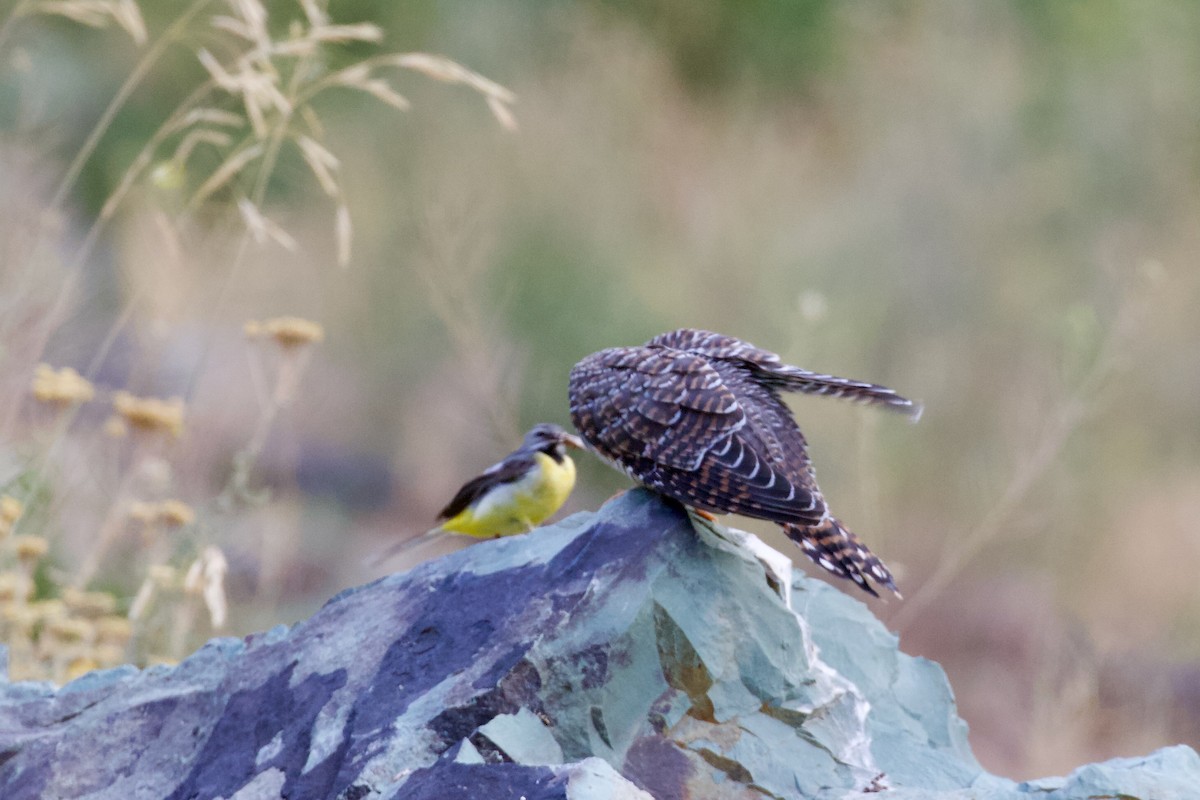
{"type": "Point", "coordinates": [620, 654]}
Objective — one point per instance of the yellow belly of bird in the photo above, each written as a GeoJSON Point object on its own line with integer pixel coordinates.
{"type": "Point", "coordinates": [518, 506]}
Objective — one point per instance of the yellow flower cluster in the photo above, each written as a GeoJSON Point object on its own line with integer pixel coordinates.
{"type": "Point", "coordinates": [55, 639]}
{"type": "Point", "coordinates": [286, 331]}
{"type": "Point", "coordinates": [149, 414]}
{"type": "Point", "coordinates": [62, 387]}
{"type": "Point", "coordinates": [30, 549]}
{"type": "Point", "coordinates": [89, 605]}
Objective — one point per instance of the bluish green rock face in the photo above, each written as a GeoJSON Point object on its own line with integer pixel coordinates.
{"type": "Point", "coordinates": [620, 654]}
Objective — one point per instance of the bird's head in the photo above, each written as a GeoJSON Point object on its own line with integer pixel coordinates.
{"type": "Point", "coordinates": [551, 440]}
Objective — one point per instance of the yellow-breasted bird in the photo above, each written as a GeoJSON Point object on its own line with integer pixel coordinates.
{"type": "Point", "coordinates": [515, 494]}
{"type": "Point", "coordinates": [697, 416]}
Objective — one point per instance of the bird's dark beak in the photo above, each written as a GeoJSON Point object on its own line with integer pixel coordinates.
{"type": "Point", "coordinates": [573, 441]}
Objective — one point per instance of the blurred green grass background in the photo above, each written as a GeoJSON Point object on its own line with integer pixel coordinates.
{"type": "Point", "coordinates": [989, 206]}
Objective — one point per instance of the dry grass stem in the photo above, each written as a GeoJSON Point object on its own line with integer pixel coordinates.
{"type": "Point", "coordinates": [263, 229]}
{"type": "Point", "coordinates": [453, 273]}
{"type": "Point", "coordinates": [322, 163]}
{"type": "Point", "coordinates": [231, 166]}
{"type": "Point", "coordinates": [1069, 416]}
{"type": "Point", "coordinates": [206, 578]}
{"type": "Point", "coordinates": [343, 231]}
{"type": "Point", "coordinates": [98, 14]}
{"type": "Point", "coordinates": [294, 337]}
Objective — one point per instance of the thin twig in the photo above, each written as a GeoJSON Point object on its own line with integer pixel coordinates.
{"type": "Point", "coordinates": [1069, 417]}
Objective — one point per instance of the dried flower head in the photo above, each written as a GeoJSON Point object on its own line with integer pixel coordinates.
{"type": "Point", "coordinates": [287, 331]}
{"type": "Point", "coordinates": [170, 513]}
{"type": "Point", "coordinates": [176, 513]}
{"type": "Point", "coordinates": [12, 587]}
{"type": "Point", "coordinates": [11, 509]}
{"type": "Point", "coordinates": [69, 630]}
{"type": "Point", "coordinates": [150, 414]}
{"type": "Point", "coordinates": [48, 610]}
{"type": "Point", "coordinates": [30, 549]}
{"type": "Point", "coordinates": [63, 387]}
{"type": "Point", "coordinates": [89, 604]}
{"type": "Point", "coordinates": [17, 618]}
{"type": "Point", "coordinates": [113, 630]}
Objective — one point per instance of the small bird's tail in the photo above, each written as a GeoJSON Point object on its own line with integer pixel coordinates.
{"type": "Point", "coordinates": [404, 545]}
{"type": "Point", "coordinates": [831, 546]}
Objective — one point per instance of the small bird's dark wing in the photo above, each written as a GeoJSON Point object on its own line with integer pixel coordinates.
{"type": "Point", "coordinates": [769, 369]}
{"type": "Point", "coordinates": [514, 467]}
{"type": "Point", "coordinates": [701, 432]}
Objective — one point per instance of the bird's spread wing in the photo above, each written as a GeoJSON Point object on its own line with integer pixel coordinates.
{"type": "Point", "coordinates": [769, 369]}
{"type": "Point", "coordinates": [701, 432]}
{"type": "Point", "coordinates": [511, 469]}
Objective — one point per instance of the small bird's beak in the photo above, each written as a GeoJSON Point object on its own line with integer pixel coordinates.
{"type": "Point", "coordinates": [573, 441]}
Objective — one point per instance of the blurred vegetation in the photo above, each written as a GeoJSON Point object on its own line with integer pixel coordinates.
{"type": "Point", "coordinates": [989, 206]}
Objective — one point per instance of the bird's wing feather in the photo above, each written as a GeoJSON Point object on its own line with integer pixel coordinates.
{"type": "Point", "coordinates": [674, 421]}
{"type": "Point", "coordinates": [664, 407]}
{"type": "Point", "coordinates": [511, 469]}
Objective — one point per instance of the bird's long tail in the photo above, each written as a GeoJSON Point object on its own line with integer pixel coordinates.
{"type": "Point", "coordinates": [794, 379]}
{"type": "Point", "coordinates": [832, 546]}
{"type": "Point", "coordinates": [404, 545]}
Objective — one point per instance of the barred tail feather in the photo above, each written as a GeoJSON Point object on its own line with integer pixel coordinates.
{"type": "Point", "coordinates": [834, 548]}
{"type": "Point", "coordinates": [794, 379]}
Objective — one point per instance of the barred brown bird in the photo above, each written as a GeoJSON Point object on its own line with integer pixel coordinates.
{"type": "Point", "coordinates": [697, 416]}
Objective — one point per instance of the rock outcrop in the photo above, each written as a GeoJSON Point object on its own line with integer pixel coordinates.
{"type": "Point", "coordinates": [619, 654]}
